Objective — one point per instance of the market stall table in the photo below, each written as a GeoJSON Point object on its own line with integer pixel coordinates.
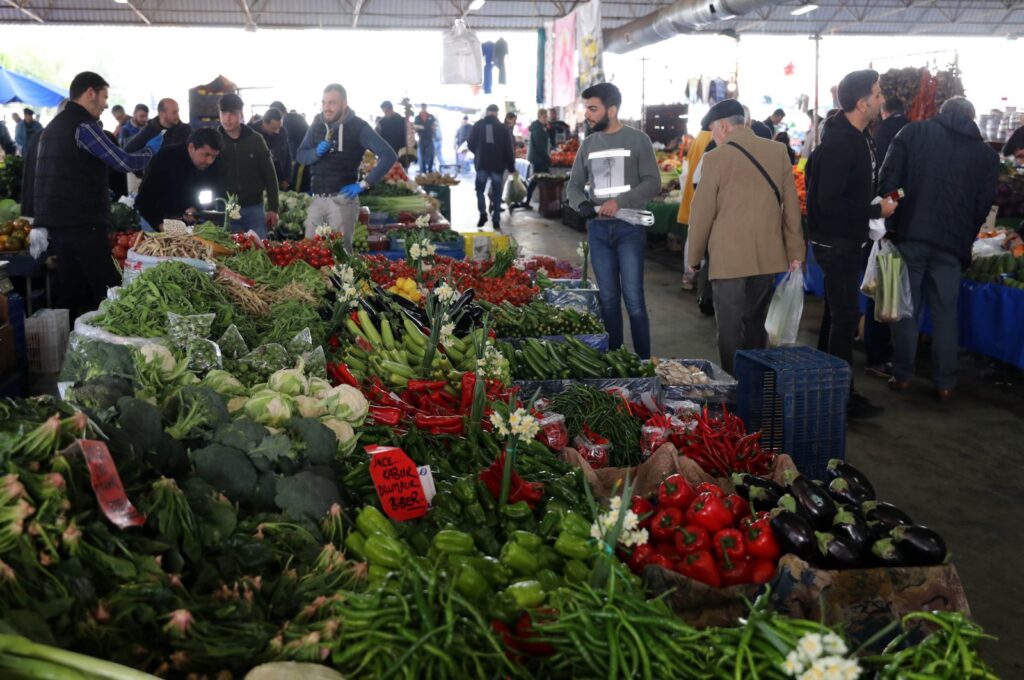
{"type": "Point", "coordinates": [22, 265]}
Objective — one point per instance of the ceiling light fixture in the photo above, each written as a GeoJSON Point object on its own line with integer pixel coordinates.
{"type": "Point", "coordinates": [121, 2]}
{"type": "Point", "coordinates": [475, 5]}
{"type": "Point", "coordinates": [804, 8]}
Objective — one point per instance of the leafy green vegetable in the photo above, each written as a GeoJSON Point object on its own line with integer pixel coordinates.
{"type": "Point", "coordinates": [243, 434]}
{"type": "Point", "coordinates": [306, 495]}
{"type": "Point", "coordinates": [273, 448]}
{"type": "Point", "coordinates": [315, 440]}
{"type": "Point", "coordinates": [142, 422]}
{"type": "Point", "coordinates": [227, 470]}
{"type": "Point", "coordinates": [99, 396]}
{"type": "Point", "coordinates": [196, 411]}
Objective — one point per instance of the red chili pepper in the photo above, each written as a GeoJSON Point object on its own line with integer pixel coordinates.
{"type": "Point", "coordinates": [526, 629]}
{"type": "Point", "coordinates": [692, 538]}
{"type": "Point", "coordinates": [638, 560]}
{"type": "Point", "coordinates": [736, 572]}
{"type": "Point", "coordinates": [668, 549]}
{"type": "Point", "coordinates": [345, 375]}
{"type": "Point", "coordinates": [333, 341]}
{"type": "Point", "coordinates": [728, 545]}
{"type": "Point", "coordinates": [643, 509]}
{"type": "Point", "coordinates": [674, 492]}
{"type": "Point", "coordinates": [426, 385]}
{"type": "Point", "coordinates": [761, 543]}
{"type": "Point", "coordinates": [708, 487]}
{"type": "Point", "coordinates": [386, 415]}
{"type": "Point", "coordinates": [424, 422]}
{"type": "Point", "coordinates": [665, 524]}
{"type": "Point", "coordinates": [709, 511]}
{"type": "Point", "coordinates": [531, 492]}
{"type": "Point", "coordinates": [738, 506]}
{"type": "Point", "coordinates": [762, 571]}
{"type": "Point", "coordinates": [700, 566]}
{"type": "Point", "coordinates": [468, 389]}
{"type": "Point", "coordinates": [661, 561]}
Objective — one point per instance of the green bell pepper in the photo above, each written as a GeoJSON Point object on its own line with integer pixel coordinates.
{"type": "Point", "coordinates": [517, 511]}
{"type": "Point", "coordinates": [488, 567]}
{"type": "Point", "coordinates": [529, 541]}
{"type": "Point", "coordinates": [385, 551]}
{"type": "Point", "coordinates": [475, 514]}
{"type": "Point", "coordinates": [471, 584]}
{"type": "Point", "coordinates": [372, 521]}
{"type": "Point", "coordinates": [452, 541]}
{"type": "Point", "coordinates": [355, 543]}
{"type": "Point", "coordinates": [576, 571]}
{"type": "Point", "coordinates": [549, 580]}
{"type": "Point", "coordinates": [465, 491]}
{"type": "Point", "coordinates": [519, 559]}
{"type": "Point", "coordinates": [549, 558]}
{"type": "Point", "coordinates": [447, 502]}
{"type": "Point", "coordinates": [525, 594]}
{"type": "Point", "coordinates": [377, 573]}
{"type": "Point", "coordinates": [549, 523]}
{"type": "Point", "coordinates": [574, 547]}
{"type": "Point", "coordinates": [485, 540]}
{"type": "Point", "coordinates": [575, 525]}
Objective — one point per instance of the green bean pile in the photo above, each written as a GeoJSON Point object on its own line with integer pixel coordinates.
{"type": "Point", "coordinates": [286, 319]}
{"type": "Point", "coordinates": [605, 414]}
{"type": "Point", "coordinates": [141, 308]}
{"type": "Point", "coordinates": [254, 264]}
{"type": "Point", "coordinates": [950, 651]}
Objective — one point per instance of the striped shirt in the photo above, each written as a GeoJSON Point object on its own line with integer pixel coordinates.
{"type": "Point", "coordinates": [89, 136]}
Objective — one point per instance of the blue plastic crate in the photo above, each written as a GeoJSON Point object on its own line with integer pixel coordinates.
{"type": "Point", "coordinates": [796, 397]}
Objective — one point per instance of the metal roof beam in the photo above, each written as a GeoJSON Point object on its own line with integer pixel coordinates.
{"type": "Point", "coordinates": [23, 8]}
{"type": "Point", "coordinates": [356, 10]}
{"type": "Point", "coordinates": [249, 21]}
{"type": "Point", "coordinates": [138, 12]}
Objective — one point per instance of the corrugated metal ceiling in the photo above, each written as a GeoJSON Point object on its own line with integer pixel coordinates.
{"type": "Point", "coordinates": [833, 17]}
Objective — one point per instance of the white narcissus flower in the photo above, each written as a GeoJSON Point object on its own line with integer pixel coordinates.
{"type": "Point", "coordinates": [580, 251]}
{"type": "Point", "coordinates": [236, 213]}
{"type": "Point", "coordinates": [636, 537]}
{"type": "Point", "coordinates": [813, 674]}
{"type": "Point", "coordinates": [810, 647]}
{"type": "Point", "coordinates": [414, 251]}
{"type": "Point", "coordinates": [793, 665]}
{"type": "Point", "coordinates": [499, 424]}
{"type": "Point", "coordinates": [834, 645]}
{"type": "Point", "coordinates": [851, 669]}
{"type": "Point", "coordinates": [423, 221]}
{"type": "Point", "coordinates": [447, 331]}
{"type": "Point", "coordinates": [429, 248]}
{"type": "Point", "coordinates": [445, 292]}
{"type": "Point", "coordinates": [615, 503]}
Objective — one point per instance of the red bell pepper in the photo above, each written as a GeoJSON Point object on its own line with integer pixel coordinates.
{"type": "Point", "coordinates": [761, 543]}
{"type": "Point", "coordinates": [665, 524]}
{"type": "Point", "coordinates": [638, 560]}
{"type": "Point", "coordinates": [738, 506]}
{"type": "Point", "coordinates": [708, 487]}
{"type": "Point", "coordinates": [439, 424]}
{"type": "Point", "coordinates": [530, 492]}
{"type": "Point", "coordinates": [762, 571]}
{"type": "Point", "coordinates": [745, 523]}
{"type": "Point", "coordinates": [700, 566]}
{"type": "Point", "coordinates": [468, 389]}
{"type": "Point", "coordinates": [643, 509]}
{"type": "Point", "coordinates": [735, 572]}
{"type": "Point", "coordinates": [661, 561]}
{"type": "Point", "coordinates": [341, 374]}
{"type": "Point", "coordinates": [692, 538]}
{"type": "Point", "coordinates": [526, 629]}
{"type": "Point", "coordinates": [709, 511]}
{"type": "Point", "coordinates": [667, 549]}
{"type": "Point", "coordinates": [386, 415]}
{"type": "Point", "coordinates": [728, 545]}
{"type": "Point", "coordinates": [674, 492]}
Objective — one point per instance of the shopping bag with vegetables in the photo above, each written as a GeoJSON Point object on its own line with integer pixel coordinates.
{"type": "Point", "coordinates": [515, 190]}
{"type": "Point", "coordinates": [785, 310]}
{"type": "Point", "coordinates": [893, 301]}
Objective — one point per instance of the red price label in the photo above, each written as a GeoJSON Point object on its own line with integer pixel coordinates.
{"type": "Point", "coordinates": [398, 484]}
{"type": "Point", "coordinates": [107, 485]}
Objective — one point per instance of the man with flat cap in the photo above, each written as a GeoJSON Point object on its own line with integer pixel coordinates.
{"type": "Point", "coordinates": [746, 215]}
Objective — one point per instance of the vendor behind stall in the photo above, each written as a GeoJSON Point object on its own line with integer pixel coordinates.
{"type": "Point", "coordinates": [176, 177]}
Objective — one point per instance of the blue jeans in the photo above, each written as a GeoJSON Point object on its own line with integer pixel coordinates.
{"type": "Point", "coordinates": [935, 277]}
{"type": "Point", "coordinates": [426, 148]}
{"type": "Point", "coordinates": [253, 218]}
{"type": "Point", "coordinates": [617, 250]}
{"type": "Point", "coordinates": [482, 178]}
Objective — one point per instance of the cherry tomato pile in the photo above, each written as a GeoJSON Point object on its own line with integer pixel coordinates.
{"type": "Point", "coordinates": [120, 243]}
{"type": "Point", "coordinates": [515, 286]}
{"type": "Point", "coordinates": [315, 252]}
{"type": "Point", "coordinates": [704, 534]}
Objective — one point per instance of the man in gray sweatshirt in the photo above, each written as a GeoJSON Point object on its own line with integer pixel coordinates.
{"type": "Point", "coordinates": [615, 168]}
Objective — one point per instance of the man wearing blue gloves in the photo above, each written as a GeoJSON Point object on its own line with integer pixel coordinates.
{"type": "Point", "coordinates": [332, 149]}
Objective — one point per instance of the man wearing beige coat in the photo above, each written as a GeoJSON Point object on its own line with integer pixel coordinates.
{"type": "Point", "coordinates": [746, 214]}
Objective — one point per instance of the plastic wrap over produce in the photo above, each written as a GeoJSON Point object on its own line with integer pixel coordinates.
{"type": "Point", "coordinates": [93, 351]}
{"type": "Point", "coordinates": [583, 300]}
{"type": "Point", "coordinates": [598, 341]}
{"type": "Point", "coordinates": [695, 380]}
{"type": "Point", "coordinates": [644, 390]}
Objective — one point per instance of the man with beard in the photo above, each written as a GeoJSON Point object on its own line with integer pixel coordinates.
{"type": "Point", "coordinates": [333, 148]}
{"type": "Point", "coordinates": [618, 165]}
{"type": "Point", "coordinates": [176, 177]}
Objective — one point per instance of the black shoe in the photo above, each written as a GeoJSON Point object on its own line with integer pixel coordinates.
{"type": "Point", "coordinates": [707, 306]}
{"type": "Point", "coordinates": [883, 371]}
{"type": "Point", "coordinates": [860, 408]}
{"type": "Point", "coordinates": [496, 224]}
{"type": "Point", "coordinates": [482, 221]}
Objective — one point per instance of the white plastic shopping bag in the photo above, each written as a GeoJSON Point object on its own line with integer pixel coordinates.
{"type": "Point", "coordinates": [893, 301]}
{"type": "Point", "coordinates": [785, 310]}
{"type": "Point", "coordinates": [869, 284]}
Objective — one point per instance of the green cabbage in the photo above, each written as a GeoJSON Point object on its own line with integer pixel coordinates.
{"type": "Point", "coordinates": [290, 381]}
{"type": "Point", "coordinates": [268, 407]}
{"type": "Point", "coordinates": [224, 384]}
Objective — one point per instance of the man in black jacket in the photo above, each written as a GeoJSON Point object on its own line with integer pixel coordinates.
{"type": "Point", "coordinates": [893, 119]}
{"type": "Point", "coordinates": [177, 175]}
{"type": "Point", "coordinates": [841, 185]}
{"type": "Point", "coordinates": [491, 144]}
{"type": "Point", "coordinates": [949, 175]}
{"type": "Point", "coordinates": [391, 126]}
{"type": "Point", "coordinates": [270, 127]}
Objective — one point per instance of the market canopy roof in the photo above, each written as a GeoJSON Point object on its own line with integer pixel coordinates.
{"type": "Point", "coordinates": [15, 88]}
{"type": "Point", "coordinates": [833, 17]}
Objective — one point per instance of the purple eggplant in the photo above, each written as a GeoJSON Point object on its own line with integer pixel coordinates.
{"type": "Point", "coordinates": [794, 534]}
{"type": "Point", "coordinates": [746, 482]}
{"type": "Point", "coordinates": [850, 494]}
{"type": "Point", "coordinates": [813, 501]}
{"type": "Point", "coordinates": [888, 553]}
{"type": "Point", "coordinates": [762, 499]}
{"type": "Point", "coordinates": [838, 469]}
{"type": "Point", "coordinates": [886, 513]}
{"type": "Point", "coordinates": [923, 546]}
{"type": "Point", "coordinates": [853, 529]}
{"type": "Point", "coordinates": [838, 553]}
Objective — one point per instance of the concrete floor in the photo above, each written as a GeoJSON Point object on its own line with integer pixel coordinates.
{"type": "Point", "coordinates": [950, 466]}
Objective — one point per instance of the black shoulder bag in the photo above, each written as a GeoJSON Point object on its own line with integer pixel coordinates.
{"type": "Point", "coordinates": [764, 173]}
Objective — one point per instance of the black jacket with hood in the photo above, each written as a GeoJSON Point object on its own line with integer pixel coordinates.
{"type": "Point", "coordinates": [949, 175]}
{"type": "Point", "coordinates": [841, 183]}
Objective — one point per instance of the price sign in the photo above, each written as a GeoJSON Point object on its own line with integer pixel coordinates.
{"type": "Point", "coordinates": [397, 480]}
{"type": "Point", "coordinates": [106, 484]}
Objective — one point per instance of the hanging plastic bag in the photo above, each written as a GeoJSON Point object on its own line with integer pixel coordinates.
{"type": "Point", "coordinates": [515, 190]}
{"type": "Point", "coordinates": [869, 284]}
{"type": "Point", "coordinates": [785, 310]}
{"type": "Point", "coordinates": [893, 301]}
{"type": "Point", "coordinates": [461, 57]}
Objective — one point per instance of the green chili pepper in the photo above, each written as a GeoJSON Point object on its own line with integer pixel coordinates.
{"type": "Point", "coordinates": [549, 558]}
{"type": "Point", "coordinates": [372, 521]}
{"type": "Point", "coordinates": [485, 498]}
{"type": "Point", "coordinates": [529, 541]}
{"type": "Point", "coordinates": [471, 584]}
{"type": "Point", "coordinates": [574, 547]}
{"type": "Point", "coordinates": [419, 542]}
{"type": "Point", "coordinates": [385, 551]}
{"type": "Point", "coordinates": [452, 541]}
{"type": "Point", "coordinates": [576, 571]}
{"type": "Point", "coordinates": [377, 573]}
{"type": "Point", "coordinates": [549, 580]}
{"type": "Point", "coordinates": [575, 525]}
{"type": "Point", "coordinates": [549, 523]}
{"type": "Point", "coordinates": [447, 502]}
{"type": "Point", "coordinates": [488, 567]}
{"type": "Point", "coordinates": [524, 594]}
{"type": "Point", "coordinates": [518, 511]}
{"type": "Point", "coordinates": [485, 540]}
{"type": "Point", "coordinates": [355, 542]}
{"type": "Point", "coordinates": [465, 491]}
{"type": "Point", "coordinates": [519, 559]}
{"type": "Point", "coordinates": [475, 514]}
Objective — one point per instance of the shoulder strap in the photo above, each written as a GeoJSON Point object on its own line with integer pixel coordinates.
{"type": "Point", "coordinates": [764, 173]}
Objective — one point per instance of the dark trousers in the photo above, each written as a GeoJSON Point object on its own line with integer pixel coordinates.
{"type": "Point", "coordinates": [532, 184]}
{"type": "Point", "coordinates": [426, 149]}
{"type": "Point", "coordinates": [841, 263]}
{"type": "Point", "coordinates": [482, 178]}
{"type": "Point", "coordinates": [84, 268]}
{"type": "Point", "coordinates": [877, 335]}
{"type": "Point", "coordinates": [741, 306]}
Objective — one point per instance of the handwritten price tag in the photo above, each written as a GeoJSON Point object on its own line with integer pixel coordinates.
{"type": "Point", "coordinates": [107, 485]}
{"type": "Point", "coordinates": [398, 484]}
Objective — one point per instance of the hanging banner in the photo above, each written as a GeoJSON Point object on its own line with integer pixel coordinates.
{"type": "Point", "coordinates": [563, 79]}
{"type": "Point", "coordinates": [590, 43]}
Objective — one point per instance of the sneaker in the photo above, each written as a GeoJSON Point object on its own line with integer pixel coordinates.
{"type": "Point", "coordinates": [482, 221]}
{"type": "Point", "coordinates": [883, 371]}
{"type": "Point", "coordinates": [860, 408]}
{"type": "Point", "coordinates": [496, 224]}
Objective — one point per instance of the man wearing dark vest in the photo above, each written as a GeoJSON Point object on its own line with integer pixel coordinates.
{"type": "Point", "coordinates": [72, 193]}
{"type": "Point", "coordinates": [332, 149]}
